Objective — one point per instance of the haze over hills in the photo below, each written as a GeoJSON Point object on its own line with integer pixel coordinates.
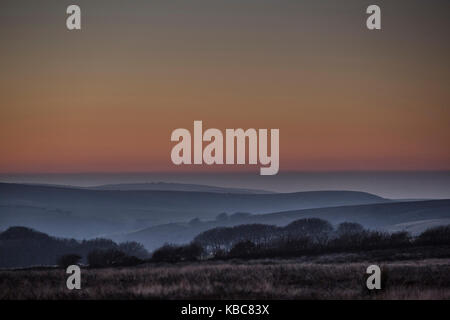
{"type": "Point", "coordinates": [85, 213]}
{"type": "Point", "coordinates": [154, 217]}
{"type": "Point", "coordinates": [165, 186]}
{"type": "Point", "coordinates": [156, 186]}
{"type": "Point", "coordinates": [414, 217]}
{"type": "Point", "coordinates": [389, 184]}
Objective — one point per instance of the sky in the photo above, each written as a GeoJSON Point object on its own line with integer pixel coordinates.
{"type": "Point", "coordinates": [106, 98]}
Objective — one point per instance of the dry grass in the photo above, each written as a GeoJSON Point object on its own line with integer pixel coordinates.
{"type": "Point", "coordinates": [263, 279]}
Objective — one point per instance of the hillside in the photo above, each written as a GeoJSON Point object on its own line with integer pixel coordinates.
{"type": "Point", "coordinates": [164, 186]}
{"type": "Point", "coordinates": [84, 213]}
{"type": "Point", "coordinates": [386, 216]}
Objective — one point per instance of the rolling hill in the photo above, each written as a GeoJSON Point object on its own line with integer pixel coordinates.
{"type": "Point", "coordinates": [164, 186]}
{"type": "Point", "coordinates": [410, 216]}
{"type": "Point", "coordinates": [85, 213]}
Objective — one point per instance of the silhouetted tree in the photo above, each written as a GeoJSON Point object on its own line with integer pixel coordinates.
{"type": "Point", "coordinates": [191, 252]}
{"type": "Point", "coordinates": [401, 238]}
{"type": "Point", "coordinates": [214, 239]}
{"type": "Point", "coordinates": [111, 258]}
{"type": "Point", "coordinates": [317, 230]}
{"type": "Point", "coordinates": [174, 253]}
{"type": "Point", "coordinates": [243, 249]}
{"type": "Point", "coordinates": [166, 253]}
{"type": "Point", "coordinates": [435, 236]}
{"type": "Point", "coordinates": [105, 258]}
{"type": "Point", "coordinates": [349, 228]}
{"type": "Point", "coordinates": [68, 260]}
{"type": "Point", "coordinates": [224, 238]}
{"type": "Point", "coordinates": [133, 249]}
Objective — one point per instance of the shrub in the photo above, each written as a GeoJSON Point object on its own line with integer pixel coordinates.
{"type": "Point", "coordinates": [191, 252]}
{"type": "Point", "coordinates": [174, 253]}
{"type": "Point", "coordinates": [401, 238]}
{"type": "Point", "coordinates": [110, 258]}
{"type": "Point", "coordinates": [134, 249]}
{"type": "Point", "coordinates": [68, 260]}
{"type": "Point", "coordinates": [166, 253]}
{"type": "Point", "coordinates": [349, 228]}
{"type": "Point", "coordinates": [317, 230]}
{"type": "Point", "coordinates": [220, 254]}
{"type": "Point", "coordinates": [435, 236]}
{"type": "Point", "coordinates": [243, 249]}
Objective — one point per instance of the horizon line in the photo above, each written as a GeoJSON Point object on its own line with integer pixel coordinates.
{"type": "Point", "coordinates": [228, 172]}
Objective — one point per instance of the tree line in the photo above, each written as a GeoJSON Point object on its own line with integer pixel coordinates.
{"type": "Point", "coordinates": [24, 247]}
{"type": "Point", "coordinates": [302, 237]}
{"type": "Point", "coordinates": [20, 246]}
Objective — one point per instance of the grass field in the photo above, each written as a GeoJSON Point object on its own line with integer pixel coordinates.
{"type": "Point", "coordinates": [316, 278]}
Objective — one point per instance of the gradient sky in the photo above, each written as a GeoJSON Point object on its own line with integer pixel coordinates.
{"type": "Point", "coordinates": [108, 97]}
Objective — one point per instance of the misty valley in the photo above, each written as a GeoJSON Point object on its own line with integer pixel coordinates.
{"type": "Point", "coordinates": [173, 215]}
{"type": "Point", "coordinates": [152, 229]}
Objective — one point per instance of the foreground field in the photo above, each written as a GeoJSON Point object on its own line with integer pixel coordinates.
{"type": "Point", "coordinates": [262, 279]}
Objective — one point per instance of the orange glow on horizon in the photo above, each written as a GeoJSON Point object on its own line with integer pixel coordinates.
{"type": "Point", "coordinates": [107, 99]}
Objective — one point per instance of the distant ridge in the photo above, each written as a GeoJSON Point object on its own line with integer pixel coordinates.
{"type": "Point", "coordinates": [168, 186]}
{"type": "Point", "coordinates": [152, 186]}
{"type": "Point", "coordinates": [414, 217]}
{"type": "Point", "coordinates": [86, 213]}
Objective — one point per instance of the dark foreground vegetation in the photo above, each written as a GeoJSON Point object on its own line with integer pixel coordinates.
{"type": "Point", "coordinates": [318, 278]}
{"type": "Point", "coordinates": [307, 259]}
